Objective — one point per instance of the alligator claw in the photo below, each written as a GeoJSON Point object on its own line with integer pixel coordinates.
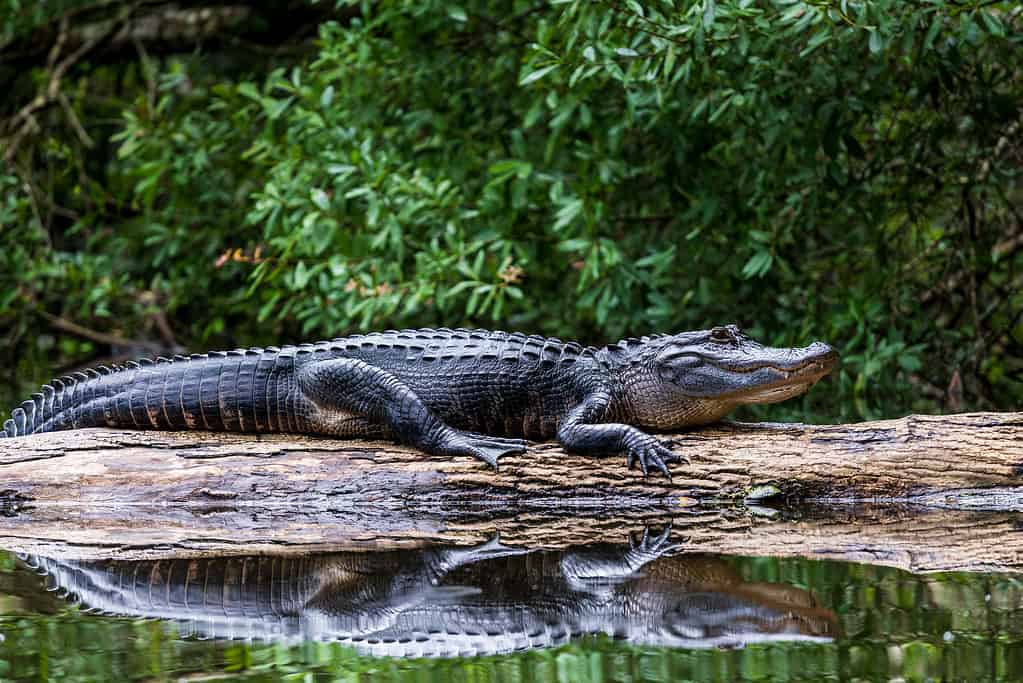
{"type": "Point", "coordinates": [515, 443]}
{"type": "Point", "coordinates": [656, 454]}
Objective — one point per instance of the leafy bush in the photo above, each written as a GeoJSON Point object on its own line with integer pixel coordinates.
{"type": "Point", "coordinates": [840, 170]}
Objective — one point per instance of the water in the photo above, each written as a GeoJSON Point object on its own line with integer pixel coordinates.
{"type": "Point", "coordinates": [525, 616]}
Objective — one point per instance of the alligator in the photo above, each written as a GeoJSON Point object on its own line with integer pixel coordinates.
{"type": "Point", "coordinates": [446, 392]}
{"type": "Point", "coordinates": [448, 601]}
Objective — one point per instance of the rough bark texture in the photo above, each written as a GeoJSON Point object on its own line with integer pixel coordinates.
{"type": "Point", "coordinates": [951, 488]}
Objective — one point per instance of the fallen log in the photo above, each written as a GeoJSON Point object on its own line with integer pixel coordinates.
{"type": "Point", "coordinates": [97, 492]}
{"type": "Point", "coordinates": [973, 460]}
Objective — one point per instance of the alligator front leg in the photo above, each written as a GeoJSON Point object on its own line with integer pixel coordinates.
{"type": "Point", "coordinates": [582, 432]}
{"type": "Point", "coordinates": [348, 386]}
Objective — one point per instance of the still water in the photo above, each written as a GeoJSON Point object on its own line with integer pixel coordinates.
{"type": "Point", "coordinates": [639, 612]}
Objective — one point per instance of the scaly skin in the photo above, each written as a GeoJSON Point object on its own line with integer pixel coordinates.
{"type": "Point", "coordinates": [446, 392]}
{"type": "Point", "coordinates": [448, 601]}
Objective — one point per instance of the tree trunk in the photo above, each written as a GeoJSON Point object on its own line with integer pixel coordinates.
{"type": "Point", "coordinates": [949, 489]}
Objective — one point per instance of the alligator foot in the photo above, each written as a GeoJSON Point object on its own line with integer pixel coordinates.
{"type": "Point", "coordinates": [486, 448]}
{"type": "Point", "coordinates": [651, 452]}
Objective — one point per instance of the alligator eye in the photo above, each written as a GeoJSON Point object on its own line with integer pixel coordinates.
{"type": "Point", "coordinates": [720, 334]}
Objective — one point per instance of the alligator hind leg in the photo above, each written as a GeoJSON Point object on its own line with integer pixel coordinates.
{"type": "Point", "coordinates": [350, 386]}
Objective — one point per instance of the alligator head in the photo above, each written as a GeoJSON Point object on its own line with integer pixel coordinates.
{"type": "Point", "coordinates": [697, 377]}
{"type": "Point", "coordinates": [716, 618]}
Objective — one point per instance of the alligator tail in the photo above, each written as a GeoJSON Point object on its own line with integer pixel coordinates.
{"type": "Point", "coordinates": [219, 391]}
{"type": "Point", "coordinates": [62, 404]}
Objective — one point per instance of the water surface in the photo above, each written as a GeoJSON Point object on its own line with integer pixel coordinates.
{"type": "Point", "coordinates": [496, 613]}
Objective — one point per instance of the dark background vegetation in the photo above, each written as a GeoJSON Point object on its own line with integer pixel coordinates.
{"type": "Point", "coordinates": [193, 175]}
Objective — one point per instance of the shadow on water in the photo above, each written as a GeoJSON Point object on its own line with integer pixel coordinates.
{"type": "Point", "coordinates": [638, 611]}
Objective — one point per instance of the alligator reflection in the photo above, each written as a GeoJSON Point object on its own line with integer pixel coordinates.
{"type": "Point", "coordinates": [450, 601]}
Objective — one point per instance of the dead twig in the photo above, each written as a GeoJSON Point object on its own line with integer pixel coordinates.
{"type": "Point", "coordinates": [70, 327]}
{"type": "Point", "coordinates": [23, 122]}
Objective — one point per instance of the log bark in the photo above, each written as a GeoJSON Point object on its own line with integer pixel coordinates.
{"type": "Point", "coordinates": [925, 493]}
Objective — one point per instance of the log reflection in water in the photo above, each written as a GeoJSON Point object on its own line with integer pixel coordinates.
{"type": "Point", "coordinates": [451, 601]}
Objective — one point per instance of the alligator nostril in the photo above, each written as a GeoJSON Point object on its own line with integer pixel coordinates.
{"type": "Point", "coordinates": [823, 350]}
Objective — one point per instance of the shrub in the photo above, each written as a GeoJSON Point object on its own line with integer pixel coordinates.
{"type": "Point", "coordinates": [839, 170]}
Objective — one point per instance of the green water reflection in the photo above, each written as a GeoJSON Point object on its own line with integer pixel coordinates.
{"type": "Point", "coordinates": [892, 625]}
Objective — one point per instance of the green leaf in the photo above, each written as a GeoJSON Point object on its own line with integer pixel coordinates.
{"type": "Point", "coordinates": [274, 108]}
{"type": "Point", "coordinates": [320, 199]}
{"type": "Point", "coordinates": [459, 288]}
{"type": "Point", "coordinates": [709, 10]}
{"type": "Point", "coordinates": [876, 42]}
{"type": "Point", "coordinates": [249, 90]}
{"type": "Point", "coordinates": [992, 22]}
{"type": "Point", "coordinates": [909, 362]}
{"type": "Point", "coordinates": [816, 40]}
{"type": "Point", "coordinates": [932, 33]}
{"type": "Point", "coordinates": [758, 264]}
{"type": "Point", "coordinates": [327, 97]}
{"type": "Point", "coordinates": [575, 244]}
{"type": "Point", "coordinates": [568, 213]}
{"type": "Point", "coordinates": [301, 275]}
{"type": "Point", "coordinates": [534, 76]}
{"type": "Point", "coordinates": [342, 170]}
{"type": "Point", "coordinates": [520, 169]}
{"type": "Point", "coordinates": [721, 109]}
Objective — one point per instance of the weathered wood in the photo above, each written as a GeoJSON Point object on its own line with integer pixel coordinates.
{"type": "Point", "coordinates": [96, 493]}
{"type": "Point", "coordinates": [913, 458]}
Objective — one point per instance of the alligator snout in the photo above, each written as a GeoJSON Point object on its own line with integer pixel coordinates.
{"type": "Point", "coordinates": [822, 354]}
{"type": "Point", "coordinates": [813, 362]}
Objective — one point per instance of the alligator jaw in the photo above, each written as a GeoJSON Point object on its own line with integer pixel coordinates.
{"type": "Point", "coordinates": [777, 394]}
{"type": "Point", "coordinates": [790, 380]}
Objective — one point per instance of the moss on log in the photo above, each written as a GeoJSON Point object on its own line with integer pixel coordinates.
{"type": "Point", "coordinates": [951, 489]}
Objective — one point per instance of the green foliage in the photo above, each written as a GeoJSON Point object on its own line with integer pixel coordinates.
{"type": "Point", "coordinates": [839, 170]}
